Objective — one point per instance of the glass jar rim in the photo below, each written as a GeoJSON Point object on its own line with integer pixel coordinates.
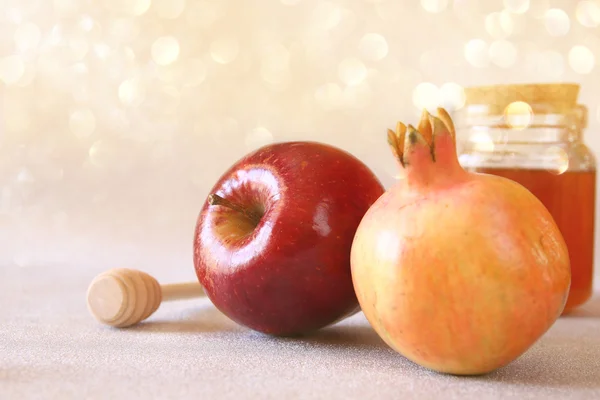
{"type": "Point", "coordinates": [470, 116]}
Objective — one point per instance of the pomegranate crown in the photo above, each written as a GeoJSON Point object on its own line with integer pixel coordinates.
{"type": "Point", "coordinates": [429, 128]}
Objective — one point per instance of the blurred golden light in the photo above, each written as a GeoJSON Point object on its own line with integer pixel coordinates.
{"type": "Point", "coordinates": [176, 84]}
{"type": "Point", "coordinates": [82, 122]}
{"type": "Point", "coordinates": [16, 119]}
{"type": "Point", "coordinates": [131, 92]}
{"type": "Point", "coordinates": [476, 53]}
{"type": "Point", "coordinates": [482, 142]}
{"type": "Point", "coordinates": [352, 71]}
{"type": "Point", "coordinates": [581, 59]}
{"type": "Point", "coordinates": [503, 53]}
{"type": "Point", "coordinates": [79, 48]}
{"type": "Point", "coordinates": [86, 23]}
{"type": "Point", "coordinates": [329, 96]}
{"type": "Point", "coordinates": [537, 8]}
{"type": "Point", "coordinates": [499, 25]}
{"type": "Point", "coordinates": [517, 6]}
{"type": "Point", "coordinates": [274, 67]}
{"type": "Point", "coordinates": [12, 69]}
{"type": "Point", "coordinates": [588, 13]}
{"type": "Point", "coordinates": [224, 50]}
{"type": "Point", "coordinates": [326, 16]}
{"type": "Point", "coordinates": [426, 95]}
{"type": "Point", "coordinates": [518, 115]}
{"type": "Point", "coordinates": [130, 7]}
{"type": "Point", "coordinates": [165, 50]}
{"type": "Point", "coordinates": [373, 46]}
{"type": "Point", "coordinates": [65, 8]}
{"type": "Point", "coordinates": [196, 72]}
{"type": "Point", "coordinates": [551, 64]}
{"type": "Point", "coordinates": [557, 22]}
{"type": "Point", "coordinates": [169, 9]}
{"type": "Point", "coordinates": [103, 153]}
{"type": "Point", "coordinates": [452, 96]}
{"type": "Point", "coordinates": [203, 14]}
{"type": "Point", "coordinates": [358, 96]}
{"type": "Point", "coordinates": [14, 15]}
{"type": "Point", "coordinates": [102, 50]}
{"type": "Point", "coordinates": [28, 75]}
{"type": "Point", "coordinates": [27, 37]}
{"type": "Point", "coordinates": [434, 6]}
{"type": "Point", "coordinates": [25, 176]}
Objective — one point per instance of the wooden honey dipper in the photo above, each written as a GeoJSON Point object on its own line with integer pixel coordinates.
{"type": "Point", "coordinates": [123, 297]}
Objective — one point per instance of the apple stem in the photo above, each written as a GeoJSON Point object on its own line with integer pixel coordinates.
{"type": "Point", "coordinates": [216, 200]}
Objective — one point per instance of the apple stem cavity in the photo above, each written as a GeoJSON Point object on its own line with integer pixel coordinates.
{"type": "Point", "coordinates": [216, 200]}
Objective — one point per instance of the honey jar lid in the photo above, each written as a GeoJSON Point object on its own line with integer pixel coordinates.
{"type": "Point", "coordinates": [549, 97]}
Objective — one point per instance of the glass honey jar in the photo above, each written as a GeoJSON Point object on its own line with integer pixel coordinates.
{"type": "Point", "coordinates": [534, 135]}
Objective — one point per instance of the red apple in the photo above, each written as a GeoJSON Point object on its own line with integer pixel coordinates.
{"type": "Point", "coordinates": [272, 241]}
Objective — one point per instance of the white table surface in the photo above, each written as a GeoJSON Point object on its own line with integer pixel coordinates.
{"type": "Point", "coordinates": [50, 348]}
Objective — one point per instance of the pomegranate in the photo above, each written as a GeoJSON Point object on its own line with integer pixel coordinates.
{"type": "Point", "coordinates": [459, 272]}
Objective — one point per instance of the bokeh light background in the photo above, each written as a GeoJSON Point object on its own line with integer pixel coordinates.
{"type": "Point", "coordinates": [119, 115]}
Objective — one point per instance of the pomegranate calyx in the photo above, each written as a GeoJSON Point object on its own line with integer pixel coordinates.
{"type": "Point", "coordinates": [406, 140]}
{"type": "Point", "coordinates": [396, 141]}
{"type": "Point", "coordinates": [415, 140]}
{"type": "Point", "coordinates": [425, 126]}
{"type": "Point", "coordinates": [447, 121]}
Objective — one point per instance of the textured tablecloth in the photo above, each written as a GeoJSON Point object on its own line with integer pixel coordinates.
{"type": "Point", "coordinates": [50, 348]}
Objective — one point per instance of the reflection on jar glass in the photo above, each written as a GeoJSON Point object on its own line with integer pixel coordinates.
{"type": "Point", "coordinates": [533, 134]}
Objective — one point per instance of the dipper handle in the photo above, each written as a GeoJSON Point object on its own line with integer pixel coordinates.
{"type": "Point", "coordinates": [123, 297]}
